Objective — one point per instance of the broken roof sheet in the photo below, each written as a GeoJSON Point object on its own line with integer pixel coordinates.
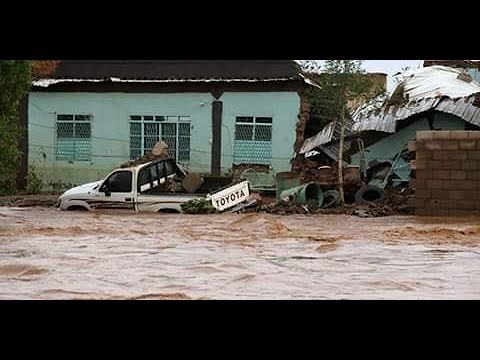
{"type": "Point", "coordinates": [330, 133]}
{"type": "Point", "coordinates": [434, 81]}
{"type": "Point", "coordinates": [437, 87]}
{"type": "Point", "coordinates": [386, 120]}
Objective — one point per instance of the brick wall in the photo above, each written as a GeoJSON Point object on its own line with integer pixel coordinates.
{"type": "Point", "coordinates": [447, 165]}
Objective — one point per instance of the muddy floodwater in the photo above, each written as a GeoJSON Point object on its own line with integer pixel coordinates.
{"type": "Point", "coordinates": [49, 254]}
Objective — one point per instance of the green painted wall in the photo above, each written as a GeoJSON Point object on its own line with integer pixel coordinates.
{"type": "Point", "coordinates": [110, 128]}
{"type": "Point", "coordinates": [283, 107]}
{"type": "Point", "coordinates": [388, 147]}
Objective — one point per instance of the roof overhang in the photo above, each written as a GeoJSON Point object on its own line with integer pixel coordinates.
{"type": "Point", "coordinates": [49, 82]}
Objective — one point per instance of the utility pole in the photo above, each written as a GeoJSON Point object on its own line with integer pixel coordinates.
{"type": "Point", "coordinates": [340, 156]}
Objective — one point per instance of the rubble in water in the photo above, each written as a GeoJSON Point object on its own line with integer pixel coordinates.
{"type": "Point", "coordinates": [397, 201]}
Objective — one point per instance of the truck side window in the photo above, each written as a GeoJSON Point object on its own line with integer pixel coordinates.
{"type": "Point", "coordinates": [143, 178]}
{"type": "Point", "coordinates": [153, 172]}
{"type": "Point", "coordinates": [121, 181]}
{"type": "Point", "coordinates": [170, 168]}
{"type": "Point", "coordinates": [161, 169]}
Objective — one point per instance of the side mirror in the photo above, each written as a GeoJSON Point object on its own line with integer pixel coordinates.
{"type": "Point", "coordinates": [105, 189]}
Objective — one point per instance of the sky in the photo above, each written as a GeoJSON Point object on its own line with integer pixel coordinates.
{"type": "Point", "coordinates": [389, 67]}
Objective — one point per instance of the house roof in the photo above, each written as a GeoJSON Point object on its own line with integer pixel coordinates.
{"type": "Point", "coordinates": [440, 88]}
{"type": "Point", "coordinates": [172, 71]}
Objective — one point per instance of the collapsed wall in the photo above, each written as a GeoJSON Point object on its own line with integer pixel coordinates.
{"type": "Point", "coordinates": [447, 173]}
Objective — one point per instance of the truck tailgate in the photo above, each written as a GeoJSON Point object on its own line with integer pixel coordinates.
{"type": "Point", "coordinates": [230, 196]}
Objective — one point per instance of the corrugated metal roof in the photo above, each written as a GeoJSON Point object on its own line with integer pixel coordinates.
{"type": "Point", "coordinates": [330, 133]}
{"type": "Point", "coordinates": [462, 108]}
{"type": "Point", "coordinates": [435, 81]}
{"type": "Point", "coordinates": [321, 138]}
{"type": "Point", "coordinates": [436, 87]}
{"type": "Point", "coordinates": [386, 119]}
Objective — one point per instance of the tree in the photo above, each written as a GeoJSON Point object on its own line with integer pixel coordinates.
{"type": "Point", "coordinates": [15, 81]}
{"type": "Point", "coordinates": [342, 82]}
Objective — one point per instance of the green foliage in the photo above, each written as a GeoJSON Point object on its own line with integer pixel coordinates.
{"type": "Point", "coordinates": [198, 206]}
{"type": "Point", "coordinates": [341, 81]}
{"type": "Point", "coordinates": [34, 181]}
{"type": "Point", "coordinates": [15, 80]}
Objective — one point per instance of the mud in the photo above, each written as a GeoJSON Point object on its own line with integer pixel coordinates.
{"type": "Point", "coordinates": [49, 254]}
{"type": "Point", "coordinates": [29, 200]}
{"type": "Point", "coordinates": [17, 271]}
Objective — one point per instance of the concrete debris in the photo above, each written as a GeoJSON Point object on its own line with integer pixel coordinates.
{"type": "Point", "coordinates": [142, 160]}
{"type": "Point", "coordinates": [160, 149]}
{"type": "Point", "coordinates": [192, 182]}
{"type": "Point", "coordinates": [158, 152]}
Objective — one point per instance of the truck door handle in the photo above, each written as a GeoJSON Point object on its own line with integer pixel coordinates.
{"type": "Point", "coordinates": [128, 199]}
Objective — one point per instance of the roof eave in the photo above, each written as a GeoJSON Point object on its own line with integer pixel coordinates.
{"type": "Point", "coordinates": [48, 82]}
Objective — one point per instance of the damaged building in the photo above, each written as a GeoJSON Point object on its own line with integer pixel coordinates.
{"type": "Point", "coordinates": [436, 97]}
{"type": "Point", "coordinates": [432, 98]}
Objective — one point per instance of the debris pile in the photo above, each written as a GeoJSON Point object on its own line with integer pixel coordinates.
{"type": "Point", "coordinates": [286, 207]}
{"type": "Point", "coordinates": [401, 200]}
{"type": "Point", "coordinates": [198, 206]}
{"type": "Point", "coordinates": [158, 152]}
{"type": "Point", "coordinates": [396, 201]}
{"type": "Point", "coordinates": [142, 160]}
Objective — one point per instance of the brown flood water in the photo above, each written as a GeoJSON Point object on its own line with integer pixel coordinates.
{"type": "Point", "coordinates": [49, 254]}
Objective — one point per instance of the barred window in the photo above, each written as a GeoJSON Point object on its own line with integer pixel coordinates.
{"type": "Point", "coordinates": [146, 130]}
{"type": "Point", "coordinates": [253, 140]}
{"type": "Point", "coordinates": [253, 129]}
{"type": "Point", "coordinates": [74, 134]}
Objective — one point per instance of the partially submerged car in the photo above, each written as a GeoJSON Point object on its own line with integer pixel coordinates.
{"type": "Point", "coordinates": [160, 185]}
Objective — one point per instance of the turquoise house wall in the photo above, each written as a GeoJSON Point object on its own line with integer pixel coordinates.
{"type": "Point", "coordinates": [389, 146]}
{"type": "Point", "coordinates": [111, 134]}
{"type": "Point", "coordinates": [283, 107]}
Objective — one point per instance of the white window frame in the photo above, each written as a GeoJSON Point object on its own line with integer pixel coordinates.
{"type": "Point", "coordinates": [254, 124]}
{"type": "Point", "coordinates": [169, 119]}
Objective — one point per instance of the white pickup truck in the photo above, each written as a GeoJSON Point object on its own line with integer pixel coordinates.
{"type": "Point", "coordinates": [147, 187]}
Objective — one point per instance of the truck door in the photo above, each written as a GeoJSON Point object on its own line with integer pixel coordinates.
{"type": "Point", "coordinates": [116, 192]}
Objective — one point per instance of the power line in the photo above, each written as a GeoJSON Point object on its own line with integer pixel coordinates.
{"type": "Point", "coordinates": [91, 136]}
{"type": "Point", "coordinates": [128, 157]}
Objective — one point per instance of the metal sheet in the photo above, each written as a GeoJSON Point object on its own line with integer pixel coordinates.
{"type": "Point", "coordinates": [385, 120]}
{"type": "Point", "coordinates": [330, 133]}
{"type": "Point", "coordinates": [436, 87]}
{"type": "Point", "coordinates": [321, 138]}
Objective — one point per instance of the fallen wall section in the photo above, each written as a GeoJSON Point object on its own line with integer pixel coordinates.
{"type": "Point", "coordinates": [447, 168]}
